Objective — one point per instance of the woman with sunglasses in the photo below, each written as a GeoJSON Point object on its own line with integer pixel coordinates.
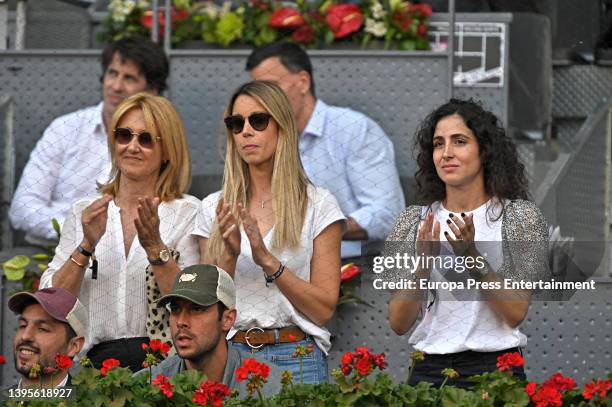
{"type": "Point", "coordinates": [275, 233]}
{"type": "Point", "coordinates": [118, 250]}
{"type": "Point", "coordinates": [478, 220]}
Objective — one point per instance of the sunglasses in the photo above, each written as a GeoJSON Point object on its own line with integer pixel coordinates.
{"type": "Point", "coordinates": [258, 121]}
{"type": "Point", "coordinates": [145, 139]}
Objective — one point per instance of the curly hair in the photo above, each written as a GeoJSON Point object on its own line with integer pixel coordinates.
{"type": "Point", "coordinates": [504, 174]}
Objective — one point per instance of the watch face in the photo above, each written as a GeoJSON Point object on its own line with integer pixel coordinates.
{"type": "Point", "coordinates": [164, 255]}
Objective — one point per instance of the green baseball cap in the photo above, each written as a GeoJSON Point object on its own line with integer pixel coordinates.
{"type": "Point", "coordinates": [202, 284]}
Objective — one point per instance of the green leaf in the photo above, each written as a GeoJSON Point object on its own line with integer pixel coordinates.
{"type": "Point", "coordinates": [408, 45]}
{"type": "Point", "coordinates": [17, 262]}
{"type": "Point", "coordinates": [13, 274]}
{"type": "Point", "coordinates": [56, 227]}
{"type": "Point", "coordinates": [41, 257]}
{"type": "Point", "coordinates": [516, 397]}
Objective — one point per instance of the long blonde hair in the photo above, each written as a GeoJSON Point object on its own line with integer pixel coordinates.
{"type": "Point", "coordinates": [163, 121]}
{"type": "Point", "coordinates": [289, 181]}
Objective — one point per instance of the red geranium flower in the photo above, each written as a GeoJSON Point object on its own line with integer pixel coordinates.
{"type": "Point", "coordinates": [506, 361]}
{"type": "Point", "coordinates": [424, 9]}
{"type": "Point", "coordinates": [304, 34]}
{"type": "Point", "coordinates": [561, 383]}
{"type": "Point", "coordinates": [362, 361]}
{"type": "Point", "coordinates": [164, 385]}
{"type": "Point", "coordinates": [176, 15]}
{"type": "Point", "coordinates": [379, 361]}
{"type": "Point", "coordinates": [422, 30]}
{"type": "Point", "coordinates": [530, 389]}
{"type": "Point", "coordinates": [347, 358]}
{"type": "Point", "coordinates": [255, 372]}
{"type": "Point", "coordinates": [548, 396]}
{"type": "Point", "coordinates": [545, 395]}
{"type": "Point", "coordinates": [157, 345]}
{"type": "Point", "coordinates": [63, 362]}
{"type": "Point", "coordinates": [286, 17]}
{"type": "Point", "coordinates": [252, 367]}
{"type": "Point", "coordinates": [348, 271]}
{"type": "Point", "coordinates": [108, 365]}
{"type": "Point", "coordinates": [211, 393]}
{"type": "Point", "coordinates": [2, 359]}
{"type": "Point", "coordinates": [599, 388]}
{"type": "Point", "coordinates": [363, 366]}
{"type": "Point", "coordinates": [344, 19]}
{"type": "Point", "coordinates": [403, 20]}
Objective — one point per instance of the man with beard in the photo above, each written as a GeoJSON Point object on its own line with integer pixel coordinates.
{"type": "Point", "coordinates": [52, 322]}
{"type": "Point", "coordinates": [202, 311]}
{"type": "Point", "coordinates": [72, 153]}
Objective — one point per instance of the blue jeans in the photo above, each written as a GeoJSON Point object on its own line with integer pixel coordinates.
{"type": "Point", "coordinates": [314, 365]}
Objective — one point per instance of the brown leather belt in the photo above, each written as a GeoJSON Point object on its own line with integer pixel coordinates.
{"type": "Point", "coordinates": [257, 337]}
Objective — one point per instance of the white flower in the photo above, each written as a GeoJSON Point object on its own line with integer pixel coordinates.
{"type": "Point", "coordinates": [226, 7]}
{"type": "Point", "coordinates": [211, 11]}
{"type": "Point", "coordinates": [377, 10]}
{"type": "Point", "coordinates": [120, 9]}
{"type": "Point", "coordinates": [240, 10]}
{"type": "Point", "coordinates": [376, 28]}
{"type": "Point", "coordinates": [144, 4]}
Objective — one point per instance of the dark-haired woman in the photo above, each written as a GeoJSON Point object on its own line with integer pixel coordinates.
{"type": "Point", "coordinates": [479, 225]}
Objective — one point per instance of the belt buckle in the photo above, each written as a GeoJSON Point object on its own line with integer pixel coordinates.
{"type": "Point", "coordinates": [246, 337]}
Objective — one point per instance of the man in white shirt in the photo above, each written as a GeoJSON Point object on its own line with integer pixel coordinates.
{"type": "Point", "coordinates": [342, 150]}
{"type": "Point", "coordinates": [73, 152]}
{"type": "Point", "coordinates": [52, 326]}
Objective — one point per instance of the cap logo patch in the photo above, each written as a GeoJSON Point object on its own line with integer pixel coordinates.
{"type": "Point", "coordinates": [188, 278]}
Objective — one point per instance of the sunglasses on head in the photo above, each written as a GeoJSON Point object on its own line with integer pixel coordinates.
{"type": "Point", "coordinates": [258, 121]}
{"type": "Point", "coordinates": [124, 136]}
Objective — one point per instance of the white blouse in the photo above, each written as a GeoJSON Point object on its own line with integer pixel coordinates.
{"type": "Point", "coordinates": [455, 324]}
{"type": "Point", "coordinates": [117, 300]}
{"type": "Point", "coordinates": [267, 307]}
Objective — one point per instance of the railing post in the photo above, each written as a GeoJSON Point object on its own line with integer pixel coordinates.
{"type": "Point", "coordinates": [154, 32]}
{"type": "Point", "coordinates": [20, 25]}
{"type": "Point", "coordinates": [3, 24]}
{"type": "Point", "coordinates": [168, 26]}
{"type": "Point", "coordinates": [451, 47]}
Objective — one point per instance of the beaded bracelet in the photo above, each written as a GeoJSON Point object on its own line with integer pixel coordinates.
{"type": "Point", "coordinates": [277, 274]}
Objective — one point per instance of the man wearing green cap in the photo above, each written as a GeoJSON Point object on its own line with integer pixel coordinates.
{"type": "Point", "coordinates": [202, 306]}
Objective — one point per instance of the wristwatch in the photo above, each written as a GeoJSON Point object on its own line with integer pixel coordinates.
{"type": "Point", "coordinates": [163, 257]}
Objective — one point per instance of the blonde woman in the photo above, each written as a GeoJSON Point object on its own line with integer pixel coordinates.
{"type": "Point", "coordinates": [275, 233]}
{"type": "Point", "coordinates": [143, 218]}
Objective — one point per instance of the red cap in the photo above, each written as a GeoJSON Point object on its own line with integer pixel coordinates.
{"type": "Point", "coordinates": [59, 303]}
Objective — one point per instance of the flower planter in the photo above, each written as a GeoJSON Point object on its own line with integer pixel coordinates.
{"type": "Point", "coordinates": [198, 44]}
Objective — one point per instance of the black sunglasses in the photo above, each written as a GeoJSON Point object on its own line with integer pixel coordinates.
{"type": "Point", "coordinates": [124, 136]}
{"type": "Point", "coordinates": [258, 121]}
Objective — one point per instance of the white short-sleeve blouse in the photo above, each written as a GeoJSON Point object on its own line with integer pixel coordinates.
{"type": "Point", "coordinates": [267, 307]}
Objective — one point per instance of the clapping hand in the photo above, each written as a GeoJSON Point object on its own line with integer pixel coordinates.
{"type": "Point", "coordinates": [93, 220]}
{"type": "Point", "coordinates": [463, 232]}
{"type": "Point", "coordinates": [147, 226]}
{"type": "Point", "coordinates": [258, 249]}
{"type": "Point", "coordinates": [428, 237]}
{"type": "Point", "coordinates": [229, 228]}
